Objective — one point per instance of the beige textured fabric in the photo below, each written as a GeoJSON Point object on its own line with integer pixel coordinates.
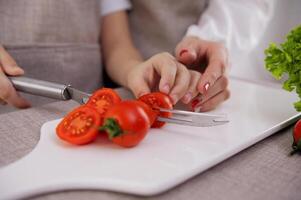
{"type": "Point", "coordinates": [49, 21]}
{"type": "Point", "coordinates": [264, 171]}
{"type": "Point", "coordinates": [159, 25]}
{"type": "Point", "coordinates": [54, 40]}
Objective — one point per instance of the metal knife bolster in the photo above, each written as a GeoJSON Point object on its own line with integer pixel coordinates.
{"type": "Point", "coordinates": [41, 88]}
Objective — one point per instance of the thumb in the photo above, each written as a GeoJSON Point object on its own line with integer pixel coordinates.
{"type": "Point", "coordinates": [139, 87]}
{"type": "Point", "coordinates": [8, 64]}
{"type": "Point", "coordinates": [187, 51]}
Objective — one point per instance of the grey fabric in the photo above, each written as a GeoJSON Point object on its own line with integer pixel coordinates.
{"type": "Point", "coordinates": [263, 171]}
{"type": "Point", "coordinates": [53, 40]}
{"type": "Point", "coordinates": [78, 65]}
{"type": "Point", "coordinates": [159, 25]}
{"type": "Point", "coordinates": [49, 21]}
{"type": "Point", "coordinates": [75, 64]}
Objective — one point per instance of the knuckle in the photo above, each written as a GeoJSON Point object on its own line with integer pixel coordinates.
{"type": "Point", "coordinates": [165, 55]}
{"type": "Point", "coordinates": [186, 77]}
{"type": "Point", "coordinates": [218, 45]}
{"type": "Point", "coordinates": [227, 94]}
{"type": "Point", "coordinates": [170, 77]}
{"type": "Point", "coordinates": [5, 93]}
{"type": "Point", "coordinates": [223, 67]}
{"type": "Point", "coordinates": [193, 89]}
{"type": "Point", "coordinates": [218, 62]}
{"type": "Point", "coordinates": [170, 69]}
{"type": "Point", "coordinates": [225, 81]}
{"type": "Point", "coordinates": [212, 76]}
{"type": "Point", "coordinates": [183, 69]}
{"type": "Point", "coordinates": [195, 74]}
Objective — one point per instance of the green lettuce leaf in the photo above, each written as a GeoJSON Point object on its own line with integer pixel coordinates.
{"type": "Point", "coordinates": [286, 59]}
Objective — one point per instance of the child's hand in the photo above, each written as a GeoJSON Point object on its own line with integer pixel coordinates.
{"type": "Point", "coordinates": [213, 83]}
{"type": "Point", "coordinates": [164, 73]}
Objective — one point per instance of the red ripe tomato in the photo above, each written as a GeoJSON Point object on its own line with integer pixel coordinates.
{"type": "Point", "coordinates": [80, 126]}
{"type": "Point", "coordinates": [126, 123]}
{"type": "Point", "coordinates": [297, 138]}
{"type": "Point", "coordinates": [158, 100]}
{"type": "Point", "coordinates": [152, 114]}
{"type": "Point", "coordinates": [103, 99]}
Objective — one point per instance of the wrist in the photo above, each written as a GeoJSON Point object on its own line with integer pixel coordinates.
{"type": "Point", "coordinates": [131, 66]}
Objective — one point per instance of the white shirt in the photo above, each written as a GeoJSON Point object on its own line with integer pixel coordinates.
{"type": "Point", "coordinates": [110, 6]}
{"type": "Point", "coordinates": [241, 25]}
{"type": "Point", "coordinates": [238, 24]}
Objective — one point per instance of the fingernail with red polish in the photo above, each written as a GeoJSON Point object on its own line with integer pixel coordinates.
{"type": "Point", "coordinates": [206, 87]}
{"type": "Point", "coordinates": [183, 51]}
{"type": "Point", "coordinates": [194, 103]}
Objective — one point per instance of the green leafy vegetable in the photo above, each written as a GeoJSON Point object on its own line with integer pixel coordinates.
{"type": "Point", "coordinates": [286, 59]}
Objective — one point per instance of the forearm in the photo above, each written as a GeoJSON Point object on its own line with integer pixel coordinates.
{"type": "Point", "coordinates": [118, 50]}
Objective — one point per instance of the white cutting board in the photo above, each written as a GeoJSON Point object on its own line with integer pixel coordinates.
{"type": "Point", "coordinates": [166, 158]}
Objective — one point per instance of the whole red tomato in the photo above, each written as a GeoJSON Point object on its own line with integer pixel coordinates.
{"type": "Point", "coordinates": [126, 123]}
{"type": "Point", "coordinates": [297, 138]}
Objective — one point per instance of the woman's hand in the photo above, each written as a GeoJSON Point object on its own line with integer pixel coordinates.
{"type": "Point", "coordinates": [8, 94]}
{"type": "Point", "coordinates": [213, 83]}
{"type": "Point", "coordinates": [164, 73]}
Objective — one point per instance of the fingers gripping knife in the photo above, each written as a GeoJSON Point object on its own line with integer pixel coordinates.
{"type": "Point", "coordinates": [49, 89]}
{"type": "Point", "coordinates": [67, 92]}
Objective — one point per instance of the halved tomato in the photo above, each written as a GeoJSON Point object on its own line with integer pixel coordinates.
{"type": "Point", "coordinates": [79, 126]}
{"type": "Point", "coordinates": [103, 99]}
{"type": "Point", "coordinates": [158, 100]}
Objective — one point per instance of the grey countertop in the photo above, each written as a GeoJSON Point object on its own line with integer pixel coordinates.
{"type": "Point", "coordinates": [263, 171]}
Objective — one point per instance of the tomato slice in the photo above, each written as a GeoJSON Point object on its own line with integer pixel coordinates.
{"type": "Point", "coordinates": [158, 100]}
{"type": "Point", "coordinates": [126, 123]}
{"type": "Point", "coordinates": [79, 126]}
{"type": "Point", "coordinates": [103, 99]}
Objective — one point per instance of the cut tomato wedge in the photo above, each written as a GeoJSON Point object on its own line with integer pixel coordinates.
{"type": "Point", "coordinates": [158, 100]}
{"type": "Point", "coordinates": [103, 99]}
{"type": "Point", "coordinates": [79, 126]}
